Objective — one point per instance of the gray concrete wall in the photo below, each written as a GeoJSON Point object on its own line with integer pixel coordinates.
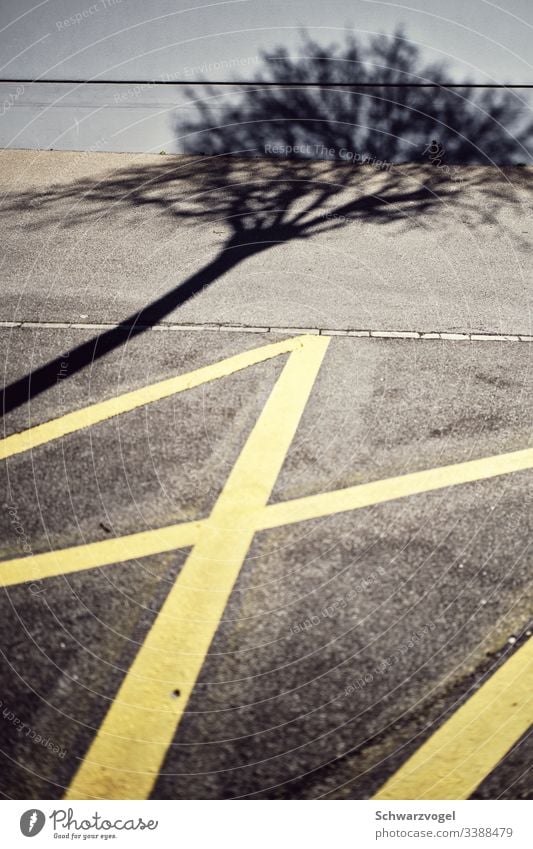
{"type": "Point", "coordinates": [123, 46]}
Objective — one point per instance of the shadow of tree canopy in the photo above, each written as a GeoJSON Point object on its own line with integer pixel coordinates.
{"type": "Point", "coordinates": [332, 103]}
{"type": "Point", "coordinates": [263, 202]}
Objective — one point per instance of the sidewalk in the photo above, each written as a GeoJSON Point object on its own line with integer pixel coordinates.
{"type": "Point", "coordinates": [95, 237]}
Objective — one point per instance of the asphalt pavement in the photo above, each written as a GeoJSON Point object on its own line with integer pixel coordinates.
{"type": "Point", "coordinates": [356, 628]}
{"type": "Point", "coordinates": [92, 237]}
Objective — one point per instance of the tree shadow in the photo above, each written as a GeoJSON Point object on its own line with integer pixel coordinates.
{"type": "Point", "coordinates": [298, 193]}
{"type": "Point", "coordinates": [333, 104]}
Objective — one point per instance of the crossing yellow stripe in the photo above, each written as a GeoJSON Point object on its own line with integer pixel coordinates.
{"type": "Point", "coordinates": [466, 749]}
{"type": "Point", "coordinates": [126, 755]}
{"type": "Point", "coordinates": [181, 535]}
{"type": "Point", "coordinates": [95, 413]}
{"type": "Point", "coordinates": [364, 495]}
{"type": "Point", "coordinates": [104, 553]}
{"type": "Point", "coordinates": [129, 749]}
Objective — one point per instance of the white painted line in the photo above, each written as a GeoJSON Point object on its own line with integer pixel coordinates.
{"type": "Point", "coordinates": [79, 326]}
{"type": "Point", "coordinates": [242, 329]}
{"type": "Point", "coordinates": [308, 331]}
{"type": "Point", "coordinates": [291, 331]}
{"type": "Point", "coordinates": [396, 334]}
{"type": "Point", "coordinates": [178, 327]}
{"type": "Point", "coordinates": [455, 337]}
{"type": "Point", "coordinates": [482, 337]}
{"type": "Point", "coordinates": [38, 324]}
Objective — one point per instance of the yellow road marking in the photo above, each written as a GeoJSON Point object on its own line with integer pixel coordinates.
{"type": "Point", "coordinates": [465, 750]}
{"type": "Point", "coordinates": [126, 755]}
{"type": "Point", "coordinates": [95, 413]}
{"type": "Point", "coordinates": [94, 554]}
{"type": "Point", "coordinates": [364, 495]}
{"type": "Point", "coordinates": [181, 535]}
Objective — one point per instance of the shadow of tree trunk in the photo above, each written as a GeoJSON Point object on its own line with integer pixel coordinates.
{"type": "Point", "coordinates": [46, 376]}
{"type": "Point", "coordinates": [265, 202]}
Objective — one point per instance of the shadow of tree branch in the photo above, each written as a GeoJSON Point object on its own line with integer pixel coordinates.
{"type": "Point", "coordinates": [268, 201]}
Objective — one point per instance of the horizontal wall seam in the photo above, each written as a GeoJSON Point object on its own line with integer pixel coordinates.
{"type": "Point", "coordinates": [265, 83]}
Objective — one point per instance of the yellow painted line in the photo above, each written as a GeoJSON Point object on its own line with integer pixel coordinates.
{"type": "Point", "coordinates": [180, 535]}
{"type": "Point", "coordinates": [126, 755]}
{"type": "Point", "coordinates": [95, 413]}
{"type": "Point", "coordinates": [128, 751]}
{"type": "Point", "coordinates": [104, 553]}
{"type": "Point", "coordinates": [466, 749]}
{"type": "Point", "coordinates": [377, 492]}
